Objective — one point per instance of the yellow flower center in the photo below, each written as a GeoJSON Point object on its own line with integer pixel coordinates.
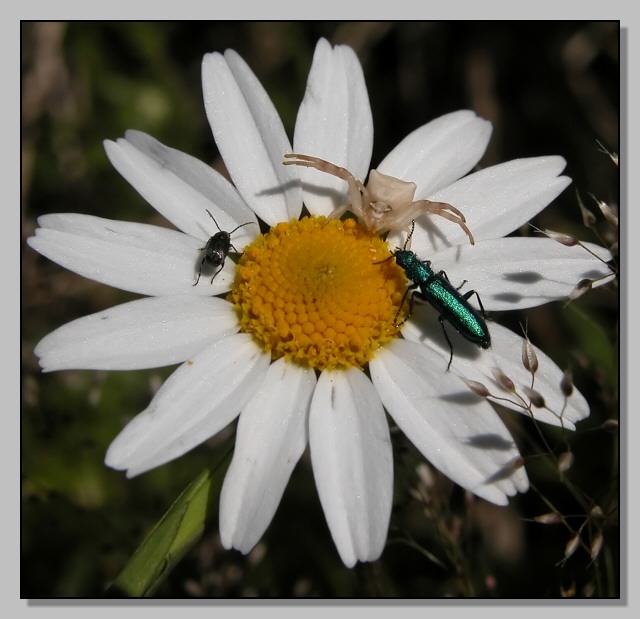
{"type": "Point", "coordinates": [310, 290]}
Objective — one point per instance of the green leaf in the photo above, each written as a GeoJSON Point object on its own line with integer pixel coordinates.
{"type": "Point", "coordinates": [596, 342]}
{"type": "Point", "coordinates": [173, 536]}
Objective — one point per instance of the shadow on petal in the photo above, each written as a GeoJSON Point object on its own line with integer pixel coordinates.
{"type": "Point", "coordinates": [508, 297]}
{"type": "Point", "coordinates": [491, 441]}
{"type": "Point", "coordinates": [524, 277]}
{"type": "Point", "coordinates": [279, 189]}
{"type": "Point", "coordinates": [506, 471]}
{"type": "Point", "coordinates": [320, 190]}
{"type": "Point", "coordinates": [463, 398]}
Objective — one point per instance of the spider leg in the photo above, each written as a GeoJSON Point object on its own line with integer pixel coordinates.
{"type": "Point", "coordinates": [356, 189]}
{"type": "Point", "coordinates": [448, 212]}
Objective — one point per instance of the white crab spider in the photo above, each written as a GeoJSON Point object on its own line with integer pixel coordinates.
{"type": "Point", "coordinates": [385, 203]}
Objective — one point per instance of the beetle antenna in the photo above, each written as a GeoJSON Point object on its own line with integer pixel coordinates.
{"type": "Point", "coordinates": [214, 220]}
{"type": "Point", "coordinates": [240, 226]}
{"type": "Point", "coordinates": [408, 241]}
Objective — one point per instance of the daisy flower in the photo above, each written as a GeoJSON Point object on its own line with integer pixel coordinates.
{"type": "Point", "coordinates": [298, 338]}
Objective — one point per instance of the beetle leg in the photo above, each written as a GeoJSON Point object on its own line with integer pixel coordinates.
{"type": "Point", "coordinates": [444, 275]}
{"type": "Point", "coordinates": [218, 271]}
{"type": "Point", "coordinates": [441, 320]}
{"type": "Point", "coordinates": [413, 287]}
{"type": "Point", "coordinates": [467, 295]}
{"type": "Point", "coordinates": [199, 270]}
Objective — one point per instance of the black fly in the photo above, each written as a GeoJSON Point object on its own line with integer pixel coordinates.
{"type": "Point", "coordinates": [217, 248]}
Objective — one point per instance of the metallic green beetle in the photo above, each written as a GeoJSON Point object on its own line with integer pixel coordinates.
{"type": "Point", "coordinates": [436, 289]}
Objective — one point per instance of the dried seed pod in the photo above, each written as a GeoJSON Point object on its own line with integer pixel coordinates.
{"type": "Point", "coordinates": [596, 545]}
{"type": "Point", "coordinates": [588, 218]}
{"type": "Point", "coordinates": [536, 398]}
{"type": "Point", "coordinates": [582, 287]}
{"type": "Point", "coordinates": [572, 545]}
{"type": "Point", "coordinates": [529, 357]}
{"type": "Point", "coordinates": [565, 239]}
{"type": "Point", "coordinates": [550, 518]}
{"type": "Point", "coordinates": [503, 380]}
{"type": "Point", "coordinates": [566, 384]}
{"type": "Point", "coordinates": [565, 460]}
{"type": "Point", "coordinates": [609, 214]}
{"type": "Point", "coordinates": [477, 388]}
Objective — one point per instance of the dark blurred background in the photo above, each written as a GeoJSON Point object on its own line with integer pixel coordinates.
{"type": "Point", "coordinates": [549, 88]}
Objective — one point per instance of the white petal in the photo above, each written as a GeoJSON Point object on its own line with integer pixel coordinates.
{"type": "Point", "coordinates": [505, 353]}
{"type": "Point", "coordinates": [521, 272]}
{"type": "Point", "coordinates": [352, 463]}
{"type": "Point", "coordinates": [271, 437]}
{"type": "Point", "coordinates": [250, 137]}
{"type": "Point", "coordinates": [457, 431]}
{"type": "Point", "coordinates": [182, 188]}
{"type": "Point", "coordinates": [145, 333]}
{"type": "Point", "coordinates": [199, 399]}
{"type": "Point", "coordinates": [131, 256]}
{"type": "Point", "coordinates": [495, 201]}
{"type": "Point", "coordinates": [334, 123]}
{"type": "Point", "coordinates": [440, 152]}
